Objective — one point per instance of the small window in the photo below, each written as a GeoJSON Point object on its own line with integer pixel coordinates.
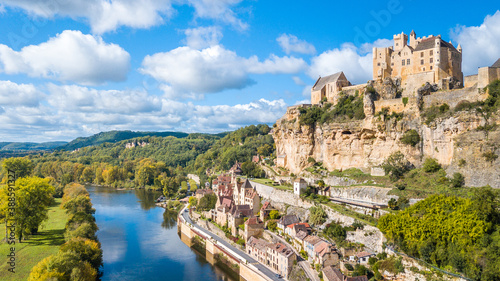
{"type": "Point", "coordinates": [423, 69]}
{"type": "Point", "coordinates": [421, 61]}
{"type": "Point", "coordinates": [431, 67]}
{"type": "Point", "coordinates": [408, 61]}
{"type": "Point", "coordinates": [378, 64]}
{"type": "Point", "coordinates": [397, 44]}
{"type": "Point", "coordinates": [392, 64]}
{"type": "Point", "coordinates": [403, 62]}
{"type": "Point", "coordinates": [422, 54]}
{"type": "Point", "coordinates": [431, 60]}
{"type": "Point", "coordinates": [431, 52]}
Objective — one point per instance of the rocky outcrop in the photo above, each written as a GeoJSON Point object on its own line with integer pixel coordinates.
{"type": "Point", "coordinates": [367, 143]}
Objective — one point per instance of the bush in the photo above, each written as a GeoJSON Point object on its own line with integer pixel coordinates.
{"type": "Point", "coordinates": [457, 181]}
{"type": "Point", "coordinates": [444, 107]}
{"type": "Point", "coordinates": [490, 156]}
{"type": "Point", "coordinates": [274, 214]}
{"type": "Point", "coordinates": [272, 225]}
{"type": "Point", "coordinates": [401, 186]}
{"type": "Point", "coordinates": [431, 165]}
{"type": "Point", "coordinates": [349, 267]}
{"type": "Point", "coordinates": [410, 137]}
{"type": "Point", "coordinates": [405, 101]}
{"type": "Point", "coordinates": [396, 165]}
{"type": "Point", "coordinates": [462, 163]}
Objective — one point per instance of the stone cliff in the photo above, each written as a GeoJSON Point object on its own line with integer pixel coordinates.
{"type": "Point", "coordinates": [452, 139]}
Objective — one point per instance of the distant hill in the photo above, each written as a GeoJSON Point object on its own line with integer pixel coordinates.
{"type": "Point", "coordinates": [115, 136]}
{"type": "Point", "coordinates": [30, 146]}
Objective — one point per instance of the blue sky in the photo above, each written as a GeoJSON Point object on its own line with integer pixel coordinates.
{"type": "Point", "coordinates": [75, 68]}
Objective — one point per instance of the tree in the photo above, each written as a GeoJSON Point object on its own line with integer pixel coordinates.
{"type": "Point", "coordinates": [336, 231]}
{"type": "Point", "coordinates": [396, 165]}
{"type": "Point", "coordinates": [33, 197]}
{"type": "Point", "coordinates": [274, 214]}
{"type": "Point", "coordinates": [321, 183]}
{"type": "Point", "coordinates": [23, 167]}
{"type": "Point", "coordinates": [265, 150]}
{"type": "Point", "coordinates": [86, 249]}
{"type": "Point", "coordinates": [317, 215]}
{"type": "Point", "coordinates": [272, 225]}
{"type": "Point", "coordinates": [392, 203]}
{"type": "Point", "coordinates": [63, 266]}
{"type": "Point", "coordinates": [457, 181]}
{"type": "Point", "coordinates": [410, 137]}
{"type": "Point", "coordinates": [431, 165]}
{"type": "Point", "coordinates": [207, 202]}
{"type": "Point", "coordinates": [87, 175]}
{"type": "Point", "coordinates": [80, 203]}
{"type": "Point", "coordinates": [192, 201]}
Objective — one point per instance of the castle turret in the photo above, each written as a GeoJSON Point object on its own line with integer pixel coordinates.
{"type": "Point", "coordinates": [400, 40]}
{"type": "Point", "coordinates": [413, 39]}
{"type": "Point", "coordinates": [459, 48]}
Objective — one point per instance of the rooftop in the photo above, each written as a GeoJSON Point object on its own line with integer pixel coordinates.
{"type": "Point", "coordinates": [333, 274]}
{"type": "Point", "coordinates": [312, 239]}
{"type": "Point", "coordinates": [496, 64]}
{"type": "Point", "coordinates": [322, 81]}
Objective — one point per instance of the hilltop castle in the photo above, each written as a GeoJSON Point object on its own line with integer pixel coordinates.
{"type": "Point", "coordinates": [406, 66]}
{"type": "Point", "coordinates": [427, 59]}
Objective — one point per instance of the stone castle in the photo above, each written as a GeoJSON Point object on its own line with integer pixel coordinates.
{"type": "Point", "coordinates": [407, 66]}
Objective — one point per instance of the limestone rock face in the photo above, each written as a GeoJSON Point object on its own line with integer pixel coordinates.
{"type": "Point", "coordinates": [367, 143]}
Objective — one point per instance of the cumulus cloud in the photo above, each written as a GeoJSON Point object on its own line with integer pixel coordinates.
{"type": "Point", "coordinates": [291, 44]}
{"type": "Point", "coordinates": [102, 15]}
{"type": "Point", "coordinates": [83, 99]}
{"type": "Point", "coordinates": [187, 70]}
{"type": "Point", "coordinates": [202, 37]}
{"type": "Point", "coordinates": [70, 56]}
{"type": "Point", "coordinates": [12, 94]}
{"type": "Point", "coordinates": [480, 44]}
{"type": "Point", "coordinates": [220, 10]}
{"type": "Point", "coordinates": [348, 58]}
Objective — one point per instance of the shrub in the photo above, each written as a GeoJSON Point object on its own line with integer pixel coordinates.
{"type": "Point", "coordinates": [490, 156]}
{"type": "Point", "coordinates": [457, 181]}
{"type": "Point", "coordinates": [431, 165]}
{"type": "Point", "coordinates": [405, 101]}
{"type": "Point", "coordinates": [396, 165]}
{"type": "Point", "coordinates": [349, 267]}
{"type": "Point", "coordinates": [272, 225]}
{"type": "Point", "coordinates": [410, 137]}
{"type": "Point", "coordinates": [461, 163]}
{"type": "Point", "coordinates": [274, 214]}
{"type": "Point", "coordinates": [444, 107]}
{"type": "Point", "coordinates": [401, 186]}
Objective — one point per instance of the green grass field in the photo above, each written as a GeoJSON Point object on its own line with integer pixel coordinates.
{"type": "Point", "coordinates": [37, 247]}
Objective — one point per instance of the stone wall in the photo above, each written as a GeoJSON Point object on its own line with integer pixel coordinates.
{"type": "Point", "coordinates": [280, 196]}
{"type": "Point", "coordinates": [470, 81]}
{"type": "Point", "coordinates": [351, 90]}
{"type": "Point", "coordinates": [486, 75]}
{"type": "Point", "coordinates": [415, 81]}
{"type": "Point", "coordinates": [363, 193]}
{"type": "Point", "coordinates": [397, 105]}
{"type": "Point", "coordinates": [453, 97]}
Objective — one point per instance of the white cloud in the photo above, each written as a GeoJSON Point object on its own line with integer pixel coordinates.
{"type": "Point", "coordinates": [290, 43]}
{"type": "Point", "coordinates": [202, 37]}
{"type": "Point", "coordinates": [379, 43]}
{"type": "Point", "coordinates": [83, 99]}
{"type": "Point", "coordinates": [480, 44]}
{"type": "Point", "coordinates": [70, 56]}
{"type": "Point", "coordinates": [12, 94]}
{"type": "Point", "coordinates": [214, 69]}
{"type": "Point", "coordinates": [357, 67]}
{"type": "Point", "coordinates": [220, 10]}
{"type": "Point", "coordinates": [298, 81]}
{"type": "Point", "coordinates": [102, 15]}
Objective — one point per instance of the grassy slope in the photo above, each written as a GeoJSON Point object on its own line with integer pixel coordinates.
{"type": "Point", "coordinates": [39, 246]}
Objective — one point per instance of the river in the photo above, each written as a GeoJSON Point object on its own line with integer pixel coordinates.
{"type": "Point", "coordinates": [140, 241]}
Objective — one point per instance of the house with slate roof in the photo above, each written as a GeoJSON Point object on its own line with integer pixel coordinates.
{"type": "Point", "coordinates": [328, 87]}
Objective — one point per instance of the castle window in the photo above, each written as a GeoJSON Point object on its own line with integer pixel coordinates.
{"type": "Point", "coordinates": [422, 54]}
{"type": "Point", "coordinates": [392, 64]}
{"type": "Point", "coordinates": [378, 64]}
{"type": "Point", "coordinates": [431, 52]}
{"type": "Point", "coordinates": [421, 61]}
{"type": "Point", "coordinates": [432, 60]}
{"type": "Point", "coordinates": [423, 69]}
{"type": "Point", "coordinates": [431, 67]}
{"type": "Point", "coordinates": [403, 62]}
{"type": "Point", "coordinates": [397, 44]}
{"type": "Point", "coordinates": [408, 61]}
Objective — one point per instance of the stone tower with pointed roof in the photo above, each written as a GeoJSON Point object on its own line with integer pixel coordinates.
{"type": "Point", "coordinates": [424, 59]}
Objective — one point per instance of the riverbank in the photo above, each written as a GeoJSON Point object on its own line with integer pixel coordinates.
{"type": "Point", "coordinates": [37, 247]}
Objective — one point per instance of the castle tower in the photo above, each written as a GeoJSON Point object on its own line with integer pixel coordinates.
{"type": "Point", "coordinates": [413, 39]}
{"type": "Point", "coordinates": [459, 48]}
{"type": "Point", "coordinates": [400, 40]}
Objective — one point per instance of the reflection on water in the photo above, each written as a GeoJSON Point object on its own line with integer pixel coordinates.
{"type": "Point", "coordinates": [140, 240]}
{"type": "Point", "coordinates": [169, 219]}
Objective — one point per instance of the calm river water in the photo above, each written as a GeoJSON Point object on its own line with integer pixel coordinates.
{"type": "Point", "coordinates": [140, 241]}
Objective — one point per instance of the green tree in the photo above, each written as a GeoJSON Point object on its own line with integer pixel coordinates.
{"type": "Point", "coordinates": [87, 250]}
{"type": "Point", "coordinates": [457, 181]}
{"type": "Point", "coordinates": [207, 202]}
{"type": "Point", "coordinates": [272, 225]}
{"type": "Point", "coordinates": [63, 266]}
{"type": "Point", "coordinates": [192, 201]}
{"type": "Point", "coordinates": [431, 165]}
{"type": "Point", "coordinates": [410, 137]}
{"type": "Point", "coordinates": [274, 214]}
{"type": "Point", "coordinates": [33, 197]}
{"type": "Point", "coordinates": [22, 167]}
{"type": "Point", "coordinates": [396, 165]}
{"type": "Point", "coordinates": [87, 175]}
{"type": "Point", "coordinates": [317, 215]}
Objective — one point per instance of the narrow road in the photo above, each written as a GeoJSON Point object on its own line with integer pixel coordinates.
{"type": "Point", "coordinates": [270, 274]}
{"type": "Point", "coordinates": [311, 274]}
